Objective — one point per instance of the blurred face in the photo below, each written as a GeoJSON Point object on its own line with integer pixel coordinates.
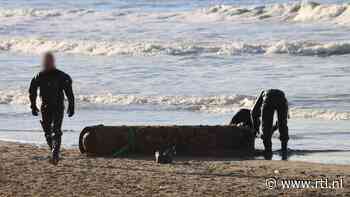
{"type": "Point", "coordinates": [48, 62]}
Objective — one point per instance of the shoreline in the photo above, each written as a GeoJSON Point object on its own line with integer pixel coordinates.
{"type": "Point", "coordinates": [25, 171]}
{"type": "Point", "coordinates": [323, 156]}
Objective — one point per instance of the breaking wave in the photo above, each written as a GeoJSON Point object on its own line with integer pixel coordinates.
{"type": "Point", "coordinates": [297, 12]}
{"type": "Point", "coordinates": [208, 104]}
{"type": "Point", "coordinates": [294, 12]}
{"type": "Point", "coordinates": [21, 98]}
{"type": "Point", "coordinates": [45, 13]}
{"type": "Point", "coordinates": [110, 48]}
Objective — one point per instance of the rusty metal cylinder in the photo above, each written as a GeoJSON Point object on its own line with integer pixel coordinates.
{"type": "Point", "coordinates": [189, 140]}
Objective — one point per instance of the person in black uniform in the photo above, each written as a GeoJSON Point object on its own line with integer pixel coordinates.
{"type": "Point", "coordinates": [242, 118]}
{"type": "Point", "coordinates": [53, 84]}
{"type": "Point", "coordinates": [265, 106]}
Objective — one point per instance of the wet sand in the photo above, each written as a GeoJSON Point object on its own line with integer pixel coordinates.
{"type": "Point", "coordinates": [25, 171]}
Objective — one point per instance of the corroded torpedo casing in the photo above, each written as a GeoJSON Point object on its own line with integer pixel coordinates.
{"type": "Point", "coordinates": [189, 140]}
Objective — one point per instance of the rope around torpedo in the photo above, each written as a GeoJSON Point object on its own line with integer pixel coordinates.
{"type": "Point", "coordinates": [129, 148]}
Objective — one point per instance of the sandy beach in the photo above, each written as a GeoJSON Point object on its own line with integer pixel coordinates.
{"type": "Point", "coordinates": [175, 73]}
{"type": "Point", "coordinates": [25, 171]}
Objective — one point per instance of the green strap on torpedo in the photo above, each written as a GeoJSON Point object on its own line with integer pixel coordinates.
{"type": "Point", "coordinates": [129, 148]}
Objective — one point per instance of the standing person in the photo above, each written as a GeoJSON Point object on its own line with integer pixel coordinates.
{"type": "Point", "coordinates": [53, 84]}
{"type": "Point", "coordinates": [265, 106]}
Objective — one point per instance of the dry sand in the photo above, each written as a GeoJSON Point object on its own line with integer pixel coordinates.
{"type": "Point", "coordinates": [25, 171]}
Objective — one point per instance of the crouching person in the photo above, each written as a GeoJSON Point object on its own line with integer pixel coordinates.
{"type": "Point", "coordinates": [265, 106]}
{"type": "Point", "coordinates": [53, 84]}
{"type": "Point", "coordinates": [242, 119]}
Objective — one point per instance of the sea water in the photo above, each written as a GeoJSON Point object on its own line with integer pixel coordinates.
{"type": "Point", "coordinates": [183, 62]}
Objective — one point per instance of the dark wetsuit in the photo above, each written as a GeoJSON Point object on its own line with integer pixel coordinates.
{"type": "Point", "coordinates": [243, 118]}
{"type": "Point", "coordinates": [265, 106]}
{"type": "Point", "coordinates": [53, 85]}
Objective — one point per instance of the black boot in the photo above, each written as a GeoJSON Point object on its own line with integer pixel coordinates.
{"type": "Point", "coordinates": [284, 150]}
{"type": "Point", "coordinates": [48, 133]}
{"type": "Point", "coordinates": [268, 150]}
{"type": "Point", "coordinates": [56, 148]}
{"type": "Point", "coordinates": [48, 138]}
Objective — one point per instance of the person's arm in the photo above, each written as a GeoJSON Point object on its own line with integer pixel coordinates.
{"type": "Point", "coordinates": [256, 112]}
{"type": "Point", "coordinates": [33, 93]}
{"type": "Point", "coordinates": [68, 90]}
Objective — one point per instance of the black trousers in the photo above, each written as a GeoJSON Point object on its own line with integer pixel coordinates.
{"type": "Point", "coordinates": [52, 117]}
{"type": "Point", "coordinates": [280, 105]}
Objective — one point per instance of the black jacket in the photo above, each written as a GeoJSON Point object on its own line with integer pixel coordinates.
{"type": "Point", "coordinates": [243, 117]}
{"type": "Point", "coordinates": [271, 96]}
{"type": "Point", "coordinates": [52, 84]}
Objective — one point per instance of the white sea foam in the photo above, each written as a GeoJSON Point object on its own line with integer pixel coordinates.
{"type": "Point", "coordinates": [7, 13]}
{"type": "Point", "coordinates": [344, 18]}
{"type": "Point", "coordinates": [319, 114]}
{"type": "Point", "coordinates": [106, 48]}
{"type": "Point", "coordinates": [297, 12]}
{"type": "Point", "coordinates": [33, 12]}
{"type": "Point", "coordinates": [20, 97]}
{"type": "Point", "coordinates": [209, 104]}
{"type": "Point", "coordinates": [13, 97]}
{"type": "Point", "coordinates": [302, 12]}
{"type": "Point", "coordinates": [316, 12]}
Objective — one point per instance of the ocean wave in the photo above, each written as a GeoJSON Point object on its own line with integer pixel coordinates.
{"type": "Point", "coordinates": [298, 12]}
{"type": "Point", "coordinates": [44, 13]}
{"type": "Point", "coordinates": [149, 48]}
{"type": "Point", "coordinates": [319, 114]}
{"type": "Point", "coordinates": [207, 104]}
{"type": "Point", "coordinates": [294, 12]}
{"type": "Point", "coordinates": [21, 98]}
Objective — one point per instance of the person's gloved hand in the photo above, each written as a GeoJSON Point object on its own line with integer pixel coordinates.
{"type": "Point", "coordinates": [70, 111]}
{"type": "Point", "coordinates": [35, 111]}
